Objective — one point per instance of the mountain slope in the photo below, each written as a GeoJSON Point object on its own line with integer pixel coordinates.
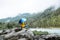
{"type": "Point", "coordinates": [49, 18]}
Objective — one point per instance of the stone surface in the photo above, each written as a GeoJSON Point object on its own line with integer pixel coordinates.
{"type": "Point", "coordinates": [26, 35]}
{"type": "Point", "coordinates": [22, 39]}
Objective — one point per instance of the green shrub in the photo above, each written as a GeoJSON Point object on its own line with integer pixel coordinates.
{"type": "Point", "coordinates": [40, 33]}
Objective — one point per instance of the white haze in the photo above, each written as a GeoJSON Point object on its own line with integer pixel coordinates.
{"type": "Point", "coordinates": [11, 8]}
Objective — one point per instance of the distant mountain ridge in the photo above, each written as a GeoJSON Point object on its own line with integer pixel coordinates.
{"type": "Point", "coordinates": [16, 18]}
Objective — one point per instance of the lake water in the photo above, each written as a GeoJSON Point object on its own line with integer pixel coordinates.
{"type": "Point", "coordinates": [49, 30]}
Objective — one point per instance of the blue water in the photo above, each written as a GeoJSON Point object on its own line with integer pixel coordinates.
{"type": "Point", "coordinates": [49, 30]}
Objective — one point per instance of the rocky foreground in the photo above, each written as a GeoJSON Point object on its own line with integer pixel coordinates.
{"type": "Point", "coordinates": [17, 34]}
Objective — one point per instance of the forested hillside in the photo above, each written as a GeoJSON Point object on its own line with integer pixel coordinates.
{"type": "Point", "coordinates": [49, 18]}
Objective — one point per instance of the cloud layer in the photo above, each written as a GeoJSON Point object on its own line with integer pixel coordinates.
{"type": "Point", "coordinates": [11, 8]}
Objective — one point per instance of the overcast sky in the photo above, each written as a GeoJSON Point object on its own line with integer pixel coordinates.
{"type": "Point", "coordinates": [11, 8]}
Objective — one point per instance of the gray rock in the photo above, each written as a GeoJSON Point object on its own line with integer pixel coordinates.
{"type": "Point", "coordinates": [22, 39]}
{"type": "Point", "coordinates": [41, 39]}
{"type": "Point", "coordinates": [1, 38]}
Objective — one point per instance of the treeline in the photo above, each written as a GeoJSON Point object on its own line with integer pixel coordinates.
{"type": "Point", "coordinates": [8, 25]}
{"type": "Point", "coordinates": [49, 18]}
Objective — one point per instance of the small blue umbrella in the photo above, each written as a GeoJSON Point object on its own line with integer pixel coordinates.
{"type": "Point", "coordinates": [22, 20]}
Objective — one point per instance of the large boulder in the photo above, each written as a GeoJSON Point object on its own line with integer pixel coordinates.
{"type": "Point", "coordinates": [1, 38]}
